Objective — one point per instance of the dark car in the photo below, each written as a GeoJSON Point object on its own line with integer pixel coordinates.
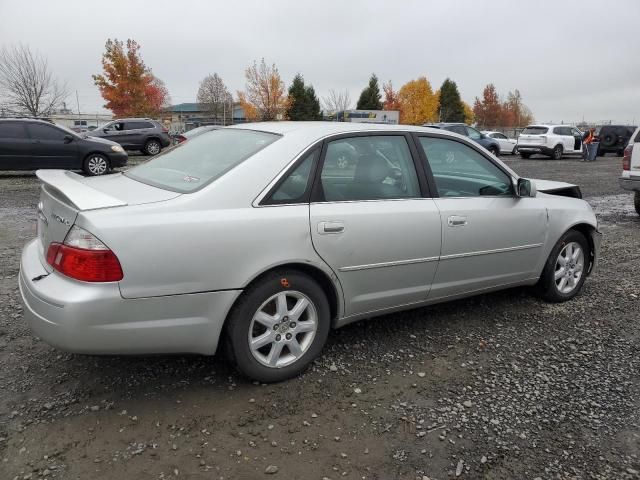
{"type": "Point", "coordinates": [614, 138]}
{"type": "Point", "coordinates": [194, 132]}
{"type": "Point", "coordinates": [487, 142]}
{"type": "Point", "coordinates": [28, 144]}
{"type": "Point", "coordinates": [143, 134]}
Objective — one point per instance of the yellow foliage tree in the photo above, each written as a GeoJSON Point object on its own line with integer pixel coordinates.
{"type": "Point", "coordinates": [469, 117]}
{"type": "Point", "coordinates": [264, 97]}
{"type": "Point", "coordinates": [418, 103]}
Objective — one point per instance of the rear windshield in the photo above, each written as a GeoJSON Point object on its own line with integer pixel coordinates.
{"type": "Point", "coordinates": [535, 130]}
{"type": "Point", "coordinates": [198, 162]}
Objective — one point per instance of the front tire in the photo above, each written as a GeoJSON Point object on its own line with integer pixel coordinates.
{"type": "Point", "coordinates": [557, 152]}
{"type": "Point", "coordinates": [494, 151]}
{"type": "Point", "coordinates": [152, 147]}
{"type": "Point", "coordinates": [278, 327]}
{"type": "Point", "coordinates": [96, 164]}
{"type": "Point", "coordinates": [566, 268]}
{"type": "Point", "coordinates": [636, 202]}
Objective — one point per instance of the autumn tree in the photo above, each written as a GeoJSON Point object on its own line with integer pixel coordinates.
{"type": "Point", "coordinates": [303, 103]}
{"type": "Point", "coordinates": [469, 117]}
{"type": "Point", "coordinates": [488, 111]}
{"type": "Point", "coordinates": [418, 103]}
{"type": "Point", "coordinates": [128, 86]}
{"type": "Point", "coordinates": [514, 112]}
{"type": "Point", "coordinates": [391, 100]}
{"type": "Point", "coordinates": [337, 101]}
{"type": "Point", "coordinates": [450, 107]}
{"type": "Point", "coordinates": [214, 98]}
{"type": "Point", "coordinates": [264, 95]}
{"type": "Point", "coordinates": [27, 85]}
{"type": "Point", "coordinates": [370, 96]}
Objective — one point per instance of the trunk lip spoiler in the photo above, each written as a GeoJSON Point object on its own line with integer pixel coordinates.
{"type": "Point", "coordinates": [78, 193]}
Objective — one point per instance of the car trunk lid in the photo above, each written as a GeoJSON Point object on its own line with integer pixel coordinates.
{"type": "Point", "coordinates": [65, 194]}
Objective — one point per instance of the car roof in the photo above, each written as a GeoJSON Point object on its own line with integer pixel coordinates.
{"type": "Point", "coordinates": [132, 119]}
{"type": "Point", "coordinates": [326, 128]}
{"type": "Point", "coordinates": [36, 120]}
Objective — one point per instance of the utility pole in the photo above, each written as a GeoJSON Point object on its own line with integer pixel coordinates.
{"type": "Point", "coordinates": [78, 103]}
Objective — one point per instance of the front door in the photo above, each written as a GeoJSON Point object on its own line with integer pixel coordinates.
{"type": "Point", "coordinates": [50, 148]}
{"type": "Point", "coordinates": [577, 139]}
{"type": "Point", "coordinates": [115, 131]}
{"type": "Point", "coordinates": [490, 237]}
{"type": "Point", "coordinates": [370, 223]}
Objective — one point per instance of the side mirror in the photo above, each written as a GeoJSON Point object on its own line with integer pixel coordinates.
{"type": "Point", "coordinates": [68, 139]}
{"type": "Point", "coordinates": [526, 188]}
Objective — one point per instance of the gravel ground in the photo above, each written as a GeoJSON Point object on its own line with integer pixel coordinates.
{"type": "Point", "coordinates": [499, 386]}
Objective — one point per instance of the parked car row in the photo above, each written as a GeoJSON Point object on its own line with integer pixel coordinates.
{"type": "Point", "coordinates": [630, 178]}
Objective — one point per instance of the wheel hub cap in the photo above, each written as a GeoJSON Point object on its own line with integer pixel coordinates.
{"type": "Point", "coordinates": [569, 267]}
{"type": "Point", "coordinates": [283, 329]}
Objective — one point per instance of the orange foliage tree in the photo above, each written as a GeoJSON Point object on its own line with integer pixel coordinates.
{"type": "Point", "coordinates": [264, 97]}
{"type": "Point", "coordinates": [391, 100]}
{"type": "Point", "coordinates": [418, 103]}
{"type": "Point", "coordinates": [128, 86]}
{"type": "Point", "coordinates": [491, 112]}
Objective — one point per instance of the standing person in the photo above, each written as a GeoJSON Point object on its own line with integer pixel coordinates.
{"type": "Point", "coordinates": [588, 140]}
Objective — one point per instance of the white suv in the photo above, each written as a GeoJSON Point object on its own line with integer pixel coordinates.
{"type": "Point", "coordinates": [630, 179]}
{"type": "Point", "coordinates": [551, 140]}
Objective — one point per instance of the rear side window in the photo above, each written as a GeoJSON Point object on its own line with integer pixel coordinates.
{"type": "Point", "coordinates": [535, 131]}
{"type": "Point", "coordinates": [296, 184]}
{"type": "Point", "coordinates": [201, 160]}
{"type": "Point", "coordinates": [12, 130]}
{"type": "Point", "coordinates": [562, 131]}
{"type": "Point", "coordinates": [137, 125]}
{"type": "Point", "coordinates": [369, 168]}
{"type": "Point", "coordinates": [45, 132]}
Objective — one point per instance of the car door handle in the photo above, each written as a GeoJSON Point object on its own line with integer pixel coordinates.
{"type": "Point", "coordinates": [330, 227]}
{"type": "Point", "coordinates": [456, 221]}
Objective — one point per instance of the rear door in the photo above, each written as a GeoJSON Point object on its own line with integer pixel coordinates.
{"type": "Point", "coordinates": [371, 223]}
{"type": "Point", "coordinates": [51, 148]}
{"type": "Point", "coordinates": [15, 147]}
{"type": "Point", "coordinates": [566, 138]}
{"type": "Point", "coordinates": [136, 132]}
{"type": "Point", "coordinates": [490, 237]}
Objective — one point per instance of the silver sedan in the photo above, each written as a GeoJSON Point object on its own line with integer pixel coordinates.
{"type": "Point", "coordinates": [265, 236]}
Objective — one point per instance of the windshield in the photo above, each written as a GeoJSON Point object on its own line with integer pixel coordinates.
{"type": "Point", "coordinates": [535, 131]}
{"type": "Point", "coordinates": [201, 160]}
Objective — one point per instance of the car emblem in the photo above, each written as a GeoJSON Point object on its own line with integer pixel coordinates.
{"type": "Point", "coordinates": [60, 219]}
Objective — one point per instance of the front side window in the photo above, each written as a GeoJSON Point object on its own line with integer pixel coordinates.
{"type": "Point", "coordinates": [369, 168]}
{"type": "Point", "coordinates": [296, 184]}
{"type": "Point", "coordinates": [461, 171]}
{"type": "Point", "coordinates": [114, 126]}
{"type": "Point", "coordinates": [45, 132]}
{"type": "Point", "coordinates": [500, 136]}
{"type": "Point", "coordinates": [201, 160]}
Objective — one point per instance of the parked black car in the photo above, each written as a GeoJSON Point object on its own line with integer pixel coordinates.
{"type": "Point", "coordinates": [29, 144]}
{"type": "Point", "coordinates": [614, 138]}
{"type": "Point", "coordinates": [143, 134]}
{"type": "Point", "coordinates": [487, 142]}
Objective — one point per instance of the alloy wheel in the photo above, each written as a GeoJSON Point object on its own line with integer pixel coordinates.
{"type": "Point", "coordinates": [283, 329]}
{"type": "Point", "coordinates": [97, 165]}
{"type": "Point", "coordinates": [153, 148]}
{"type": "Point", "coordinates": [569, 267]}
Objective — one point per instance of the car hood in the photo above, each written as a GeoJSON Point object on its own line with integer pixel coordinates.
{"type": "Point", "coordinates": [557, 188]}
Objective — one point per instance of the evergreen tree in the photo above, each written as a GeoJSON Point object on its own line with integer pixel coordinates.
{"type": "Point", "coordinates": [451, 108]}
{"type": "Point", "coordinates": [303, 103]}
{"type": "Point", "coordinates": [370, 96]}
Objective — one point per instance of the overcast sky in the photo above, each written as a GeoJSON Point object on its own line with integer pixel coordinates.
{"type": "Point", "coordinates": [569, 59]}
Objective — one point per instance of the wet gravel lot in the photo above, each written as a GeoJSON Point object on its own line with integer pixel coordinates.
{"type": "Point", "coordinates": [499, 386]}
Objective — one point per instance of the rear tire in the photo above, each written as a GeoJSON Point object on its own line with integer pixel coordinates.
{"type": "Point", "coordinates": [152, 147]}
{"type": "Point", "coordinates": [96, 164]}
{"type": "Point", "coordinates": [557, 152]}
{"type": "Point", "coordinates": [525, 156]}
{"type": "Point", "coordinates": [286, 338]}
{"type": "Point", "coordinates": [636, 202]}
{"type": "Point", "coordinates": [566, 269]}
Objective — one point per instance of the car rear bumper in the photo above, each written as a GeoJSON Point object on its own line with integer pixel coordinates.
{"type": "Point", "coordinates": [93, 318]}
{"type": "Point", "coordinates": [630, 183]}
{"type": "Point", "coordinates": [534, 149]}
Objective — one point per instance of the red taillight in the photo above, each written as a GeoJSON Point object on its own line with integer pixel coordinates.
{"type": "Point", "coordinates": [181, 139]}
{"type": "Point", "coordinates": [83, 257]}
{"type": "Point", "coordinates": [626, 159]}
{"type": "Point", "coordinates": [84, 265]}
